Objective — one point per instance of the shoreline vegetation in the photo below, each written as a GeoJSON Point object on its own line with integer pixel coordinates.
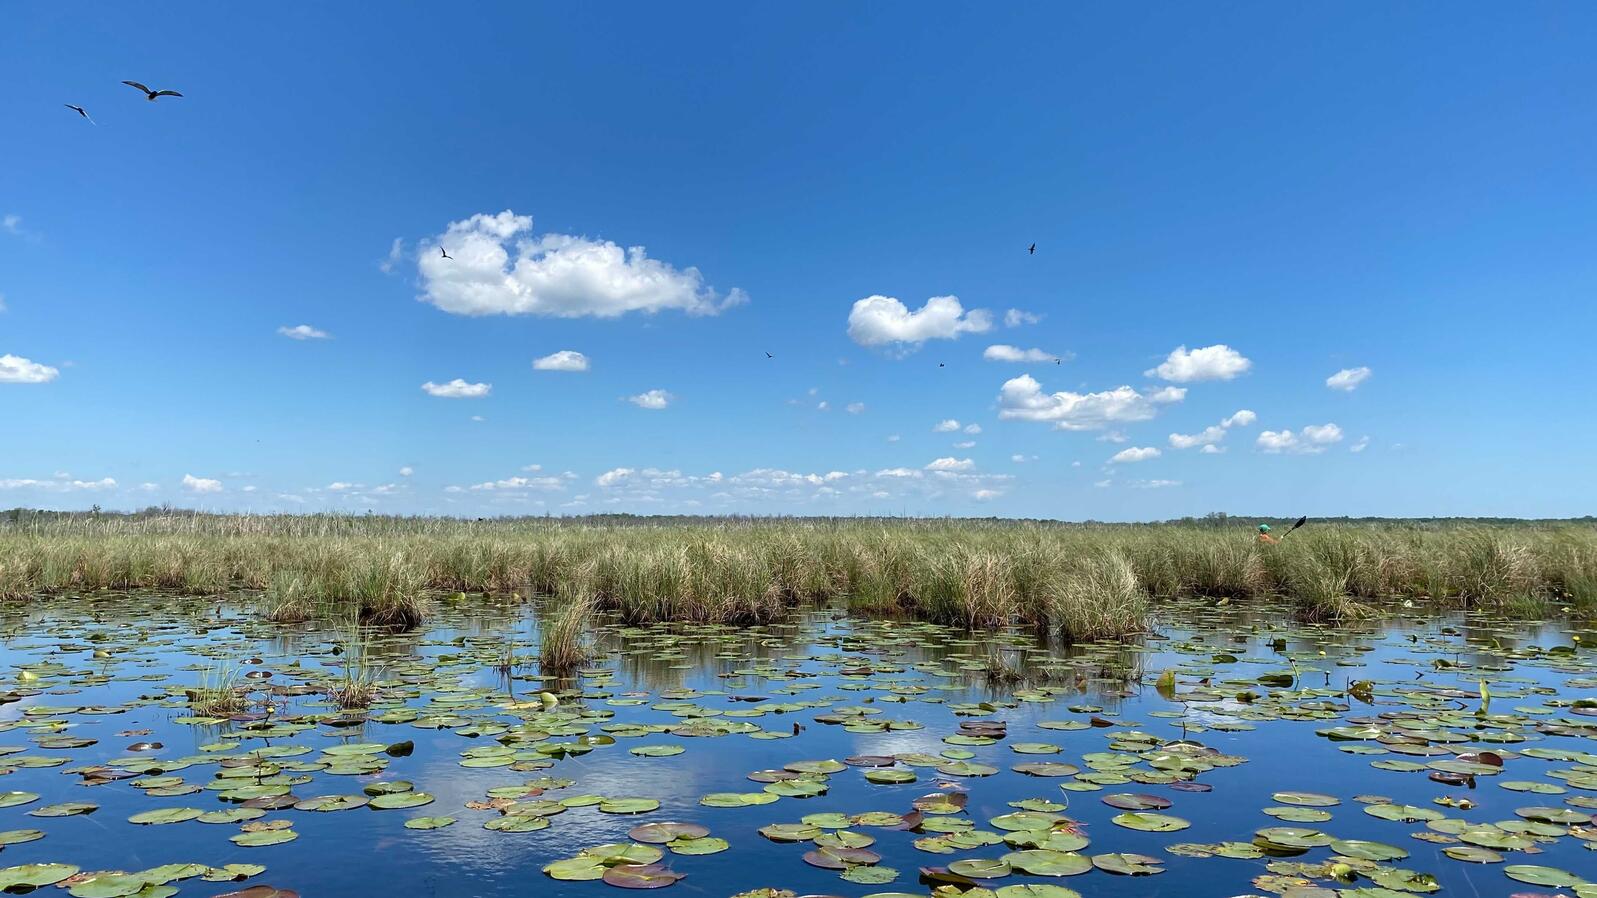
{"type": "Point", "coordinates": [1084, 581]}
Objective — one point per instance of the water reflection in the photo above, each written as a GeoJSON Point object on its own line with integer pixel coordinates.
{"type": "Point", "coordinates": [1249, 683]}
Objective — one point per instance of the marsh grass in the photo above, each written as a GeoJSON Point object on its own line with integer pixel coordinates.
{"type": "Point", "coordinates": [289, 600]}
{"type": "Point", "coordinates": [357, 679]}
{"type": "Point", "coordinates": [562, 633]}
{"type": "Point", "coordinates": [1100, 597]}
{"type": "Point", "coordinates": [219, 694]}
{"type": "Point", "coordinates": [1086, 581]}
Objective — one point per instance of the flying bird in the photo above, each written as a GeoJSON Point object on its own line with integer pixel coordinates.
{"type": "Point", "coordinates": [940, 365]}
{"type": "Point", "coordinates": [80, 111]}
{"type": "Point", "coordinates": [444, 253]}
{"type": "Point", "coordinates": [152, 94]}
{"type": "Point", "coordinates": [769, 356]}
{"type": "Point", "coordinates": [1031, 250]}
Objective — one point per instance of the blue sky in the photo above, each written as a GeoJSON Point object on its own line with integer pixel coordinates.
{"type": "Point", "coordinates": [1273, 194]}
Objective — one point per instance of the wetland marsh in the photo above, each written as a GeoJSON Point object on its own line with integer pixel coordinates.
{"type": "Point", "coordinates": [1227, 750]}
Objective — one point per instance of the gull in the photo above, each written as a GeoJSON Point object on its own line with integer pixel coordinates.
{"type": "Point", "coordinates": [445, 254]}
{"type": "Point", "coordinates": [80, 111]}
{"type": "Point", "coordinates": [152, 94]}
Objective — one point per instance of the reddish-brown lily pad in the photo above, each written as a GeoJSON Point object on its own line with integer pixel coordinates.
{"type": "Point", "coordinates": [641, 876]}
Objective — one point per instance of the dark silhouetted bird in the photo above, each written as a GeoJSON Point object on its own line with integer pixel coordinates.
{"type": "Point", "coordinates": [1031, 250]}
{"type": "Point", "coordinates": [1056, 361]}
{"type": "Point", "coordinates": [940, 365]}
{"type": "Point", "coordinates": [443, 253]}
{"type": "Point", "coordinates": [151, 95]}
{"type": "Point", "coordinates": [80, 111]}
{"type": "Point", "coordinates": [769, 356]}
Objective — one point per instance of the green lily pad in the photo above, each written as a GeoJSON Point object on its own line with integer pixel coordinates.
{"type": "Point", "coordinates": [12, 799]}
{"type": "Point", "coordinates": [980, 868]}
{"type": "Point", "coordinates": [662, 833]}
{"type": "Point", "coordinates": [107, 885]}
{"type": "Point", "coordinates": [428, 822]}
{"type": "Point", "coordinates": [1149, 822]}
{"type": "Point", "coordinates": [1045, 862]}
{"type": "Point", "coordinates": [34, 875]}
{"type": "Point", "coordinates": [263, 838]}
{"type": "Point", "coordinates": [1369, 851]}
{"type": "Point", "coordinates": [64, 809]}
{"type": "Point", "coordinates": [165, 816]}
{"type": "Point", "coordinates": [1128, 864]}
{"type": "Point", "coordinates": [400, 800]}
{"type": "Point", "coordinates": [628, 805]}
{"type": "Point", "coordinates": [699, 846]}
{"type": "Point", "coordinates": [1552, 877]}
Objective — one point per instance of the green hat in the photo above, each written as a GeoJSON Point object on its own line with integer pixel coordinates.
{"type": "Point", "coordinates": [1264, 528]}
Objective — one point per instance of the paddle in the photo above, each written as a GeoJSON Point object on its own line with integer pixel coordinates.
{"type": "Point", "coordinates": [1301, 521]}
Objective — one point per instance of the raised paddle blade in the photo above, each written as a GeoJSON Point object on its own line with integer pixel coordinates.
{"type": "Point", "coordinates": [1301, 521]}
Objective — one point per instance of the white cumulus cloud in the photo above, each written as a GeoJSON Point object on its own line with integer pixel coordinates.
{"type": "Point", "coordinates": [951, 464]}
{"type": "Point", "coordinates": [457, 389]}
{"type": "Point", "coordinates": [947, 425]}
{"type": "Point", "coordinates": [1217, 362]}
{"type": "Point", "coordinates": [304, 332]}
{"type": "Point", "coordinates": [1348, 379]}
{"type": "Point", "coordinates": [855, 408]}
{"type": "Point", "coordinates": [613, 477]}
{"type": "Point", "coordinates": [1022, 398]}
{"type": "Point", "coordinates": [651, 399]}
{"type": "Point", "coordinates": [1312, 440]}
{"type": "Point", "coordinates": [1209, 437]}
{"type": "Point", "coordinates": [14, 369]}
{"type": "Point", "coordinates": [1134, 454]}
{"type": "Point", "coordinates": [883, 320]}
{"type": "Point", "coordinates": [201, 484]}
{"type": "Point", "coordinates": [499, 267]}
{"type": "Point", "coordinates": [61, 483]}
{"type": "Point", "coordinates": [564, 360]}
{"type": "Point", "coordinates": [547, 483]}
{"type": "Point", "coordinates": [1001, 352]}
{"type": "Point", "coordinates": [1018, 317]}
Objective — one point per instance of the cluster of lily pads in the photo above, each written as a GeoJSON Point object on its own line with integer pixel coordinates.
{"type": "Point", "coordinates": [1445, 709]}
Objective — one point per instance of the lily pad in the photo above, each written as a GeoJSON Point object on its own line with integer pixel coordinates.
{"type": "Point", "coordinates": [645, 876]}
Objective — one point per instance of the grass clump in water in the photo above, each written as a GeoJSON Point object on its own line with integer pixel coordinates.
{"type": "Point", "coordinates": [562, 645]}
{"type": "Point", "coordinates": [219, 693]}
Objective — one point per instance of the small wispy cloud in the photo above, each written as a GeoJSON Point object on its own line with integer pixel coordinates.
{"type": "Point", "coordinates": [651, 399]}
{"type": "Point", "coordinates": [1348, 379]}
{"type": "Point", "coordinates": [304, 332]}
{"type": "Point", "coordinates": [458, 388]}
{"type": "Point", "coordinates": [564, 360]}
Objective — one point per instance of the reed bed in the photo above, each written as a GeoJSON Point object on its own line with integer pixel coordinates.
{"type": "Point", "coordinates": [1087, 581]}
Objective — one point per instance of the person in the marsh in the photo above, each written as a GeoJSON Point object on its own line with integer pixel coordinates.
{"type": "Point", "coordinates": [1265, 539]}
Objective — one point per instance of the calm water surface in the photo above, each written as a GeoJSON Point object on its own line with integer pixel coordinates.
{"type": "Point", "coordinates": [89, 677]}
